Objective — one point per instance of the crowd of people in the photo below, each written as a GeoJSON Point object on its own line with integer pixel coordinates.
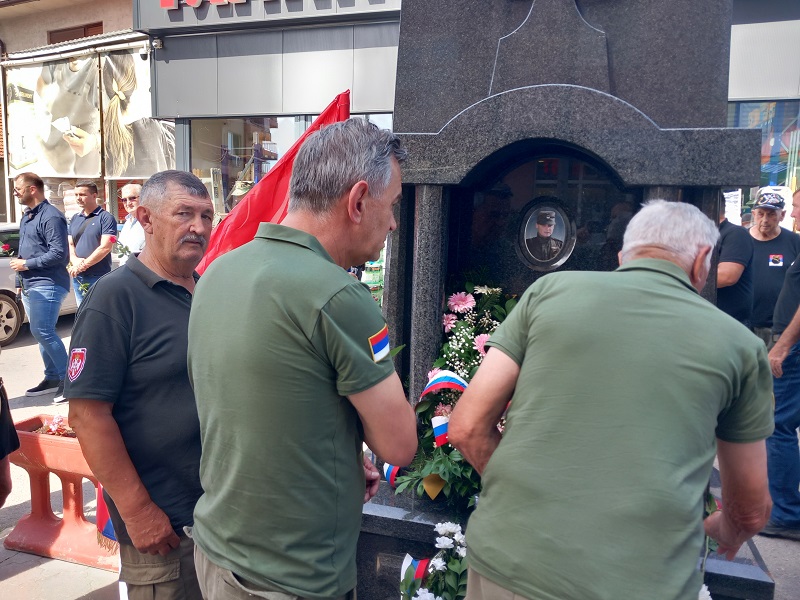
{"type": "Point", "coordinates": [230, 444]}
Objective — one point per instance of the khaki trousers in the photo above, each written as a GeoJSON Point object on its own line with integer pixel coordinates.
{"type": "Point", "coordinates": [480, 588]}
{"type": "Point", "coordinates": [156, 577]}
{"type": "Point", "coordinates": [218, 583]}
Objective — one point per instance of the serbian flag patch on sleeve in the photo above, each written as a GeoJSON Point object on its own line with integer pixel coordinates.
{"type": "Point", "coordinates": [379, 343]}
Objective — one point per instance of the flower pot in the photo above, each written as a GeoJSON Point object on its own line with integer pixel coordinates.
{"type": "Point", "coordinates": [72, 538]}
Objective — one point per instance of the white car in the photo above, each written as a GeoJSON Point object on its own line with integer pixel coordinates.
{"type": "Point", "coordinates": [12, 314]}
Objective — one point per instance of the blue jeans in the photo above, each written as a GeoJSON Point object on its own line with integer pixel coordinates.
{"type": "Point", "coordinates": [81, 280]}
{"type": "Point", "coordinates": [42, 303]}
{"type": "Point", "coordinates": [783, 455]}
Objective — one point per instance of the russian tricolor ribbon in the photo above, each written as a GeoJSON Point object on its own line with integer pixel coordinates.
{"type": "Point", "coordinates": [444, 380]}
{"type": "Point", "coordinates": [390, 472]}
{"type": "Point", "coordinates": [439, 425]}
{"type": "Point", "coordinates": [420, 566]}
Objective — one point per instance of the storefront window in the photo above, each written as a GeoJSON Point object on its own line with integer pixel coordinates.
{"type": "Point", "coordinates": [232, 155]}
{"type": "Point", "coordinates": [780, 138]}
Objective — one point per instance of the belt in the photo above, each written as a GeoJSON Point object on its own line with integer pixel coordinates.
{"type": "Point", "coordinates": [776, 337]}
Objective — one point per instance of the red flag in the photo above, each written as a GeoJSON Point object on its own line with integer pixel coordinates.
{"type": "Point", "coordinates": [268, 201]}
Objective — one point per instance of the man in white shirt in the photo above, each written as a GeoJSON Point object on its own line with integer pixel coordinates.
{"type": "Point", "coordinates": [132, 234]}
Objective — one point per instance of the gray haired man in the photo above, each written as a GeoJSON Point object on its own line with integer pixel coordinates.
{"type": "Point", "coordinates": [617, 381]}
{"type": "Point", "coordinates": [303, 365]}
{"type": "Point", "coordinates": [131, 402]}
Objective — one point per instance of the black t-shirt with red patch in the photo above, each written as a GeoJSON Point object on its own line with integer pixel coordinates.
{"type": "Point", "coordinates": [129, 348]}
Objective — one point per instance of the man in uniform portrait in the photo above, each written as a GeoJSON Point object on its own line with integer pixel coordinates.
{"type": "Point", "coordinates": [544, 246]}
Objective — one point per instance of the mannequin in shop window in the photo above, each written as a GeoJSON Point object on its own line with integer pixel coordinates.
{"type": "Point", "coordinates": [135, 144]}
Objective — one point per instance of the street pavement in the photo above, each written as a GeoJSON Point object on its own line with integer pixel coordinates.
{"type": "Point", "coordinates": [28, 577]}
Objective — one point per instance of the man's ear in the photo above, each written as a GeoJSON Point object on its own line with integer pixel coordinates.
{"type": "Point", "coordinates": [356, 201]}
{"type": "Point", "coordinates": [145, 218]}
{"type": "Point", "coordinates": [699, 272]}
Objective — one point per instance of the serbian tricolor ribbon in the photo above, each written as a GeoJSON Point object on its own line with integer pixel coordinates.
{"type": "Point", "coordinates": [444, 380]}
{"type": "Point", "coordinates": [390, 472]}
{"type": "Point", "coordinates": [379, 343]}
{"type": "Point", "coordinates": [420, 566]}
{"type": "Point", "coordinates": [106, 537]}
{"type": "Point", "coordinates": [440, 430]}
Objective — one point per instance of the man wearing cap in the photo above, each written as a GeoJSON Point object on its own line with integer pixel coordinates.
{"type": "Point", "coordinates": [774, 250]}
{"type": "Point", "coordinates": [544, 247]}
{"type": "Point", "coordinates": [783, 459]}
{"type": "Point", "coordinates": [734, 270]}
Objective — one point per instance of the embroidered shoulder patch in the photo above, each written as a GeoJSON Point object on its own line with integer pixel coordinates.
{"type": "Point", "coordinates": [379, 343]}
{"type": "Point", "coordinates": [77, 360]}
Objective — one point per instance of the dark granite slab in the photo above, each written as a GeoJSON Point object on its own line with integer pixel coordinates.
{"type": "Point", "coordinates": [602, 126]}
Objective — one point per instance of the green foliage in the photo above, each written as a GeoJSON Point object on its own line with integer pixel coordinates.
{"type": "Point", "coordinates": [446, 575]}
{"type": "Point", "coordinates": [462, 353]}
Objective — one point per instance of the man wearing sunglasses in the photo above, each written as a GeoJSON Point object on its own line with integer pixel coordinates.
{"type": "Point", "coordinates": [132, 234]}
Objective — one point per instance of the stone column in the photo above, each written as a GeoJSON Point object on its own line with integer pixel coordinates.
{"type": "Point", "coordinates": [396, 277]}
{"type": "Point", "coordinates": [427, 288]}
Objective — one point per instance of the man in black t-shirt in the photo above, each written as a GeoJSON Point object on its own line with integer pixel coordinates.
{"type": "Point", "coordinates": [774, 249]}
{"type": "Point", "coordinates": [735, 271]}
{"type": "Point", "coordinates": [131, 401]}
{"type": "Point", "coordinates": [783, 459]}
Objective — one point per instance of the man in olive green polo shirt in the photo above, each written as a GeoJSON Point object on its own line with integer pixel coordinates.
{"type": "Point", "coordinates": [623, 386]}
{"type": "Point", "coordinates": [294, 375]}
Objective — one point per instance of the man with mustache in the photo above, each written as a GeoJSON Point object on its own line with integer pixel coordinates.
{"type": "Point", "coordinates": [131, 402]}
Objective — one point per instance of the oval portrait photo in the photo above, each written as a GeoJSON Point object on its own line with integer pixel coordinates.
{"type": "Point", "coordinates": [547, 235]}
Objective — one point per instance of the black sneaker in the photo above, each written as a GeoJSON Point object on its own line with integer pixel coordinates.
{"type": "Point", "coordinates": [45, 387]}
{"type": "Point", "coordinates": [59, 393]}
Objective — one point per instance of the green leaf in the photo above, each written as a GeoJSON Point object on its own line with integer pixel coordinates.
{"type": "Point", "coordinates": [395, 351]}
{"type": "Point", "coordinates": [422, 406]}
{"type": "Point", "coordinates": [470, 287]}
{"type": "Point", "coordinates": [512, 302]}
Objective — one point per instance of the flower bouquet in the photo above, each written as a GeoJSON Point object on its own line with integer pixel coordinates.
{"type": "Point", "coordinates": [443, 577]}
{"type": "Point", "coordinates": [438, 467]}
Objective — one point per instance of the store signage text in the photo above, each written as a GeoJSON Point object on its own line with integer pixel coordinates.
{"type": "Point", "coordinates": [172, 4]}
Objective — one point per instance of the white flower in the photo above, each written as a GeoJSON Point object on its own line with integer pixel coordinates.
{"type": "Point", "coordinates": [704, 593]}
{"type": "Point", "coordinates": [437, 564]}
{"type": "Point", "coordinates": [460, 539]}
{"type": "Point", "coordinates": [481, 289]}
{"type": "Point", "coordinates": [447, 528]}
{"type": "Point", "coordinates": [461, 551]}
{"type": "Point", "coordinates": [423, 594]}
{"type": "Point", "coordinates": [444, 542]}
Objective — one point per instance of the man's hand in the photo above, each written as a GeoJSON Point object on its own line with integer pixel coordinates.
{"type": "Point", "coordinates": [776, 357]}
{"type": "Point", "coordinates": [373, 479]}
{"type": "Point", "coordinates": [17, 264]}
{"type": "Point", "coordinates": [150, 531]}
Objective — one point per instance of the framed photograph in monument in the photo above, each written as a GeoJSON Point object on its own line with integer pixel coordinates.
{"type": "Point", "coordinates": [546, 234]}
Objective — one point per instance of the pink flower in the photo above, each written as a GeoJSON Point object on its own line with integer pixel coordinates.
{"type": "Point", "coordinates": [113, 239]}
{"type": "Point", "coordinates": [461, 302]}
{"type": "Point", "coordinates": [432, 373]}
{"type": "Point", "coordinates": [442, 410]}
{"type": "Point", "coordinates": [480, 343]}
{"type": "Point", "coordinates": [449, 321]}
{"type": "Point", "coordinates": [6, 247]}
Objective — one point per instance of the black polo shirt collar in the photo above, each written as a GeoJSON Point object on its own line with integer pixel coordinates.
{"type": "Point", "coordinates": [151, 278]}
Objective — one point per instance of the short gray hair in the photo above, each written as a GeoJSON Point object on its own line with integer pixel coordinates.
{"type": "Point", "coordinates": [154, 191]}
{"type": "Point", "coordinates": [332, 160]}
{"type": "Point", "coordinates": [131, 186]}
{"type": "Point", "coordinates": [677, 228]}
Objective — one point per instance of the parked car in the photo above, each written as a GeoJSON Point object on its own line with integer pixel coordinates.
{"type": "Point", "coordinates": [12, 314]}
